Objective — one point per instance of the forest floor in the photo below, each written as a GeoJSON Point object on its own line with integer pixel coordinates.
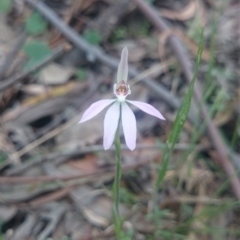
{"type": "Point", "coordinates": [57, 57]}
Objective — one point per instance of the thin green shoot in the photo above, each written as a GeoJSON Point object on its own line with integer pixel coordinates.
{"type": "Point", "coordinates": [177, 126]}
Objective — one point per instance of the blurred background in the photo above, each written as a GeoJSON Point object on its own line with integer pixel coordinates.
{"type": "Point", "coordinates": [57, 57]}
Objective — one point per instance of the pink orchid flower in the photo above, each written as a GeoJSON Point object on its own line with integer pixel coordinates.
{"type": "Point", "coordinates": [119, 109]}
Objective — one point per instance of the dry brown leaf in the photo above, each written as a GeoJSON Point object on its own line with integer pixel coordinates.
{"type": "Point", "coordinates": [182, 15]}
{"type": "Point", "coordinates": [94, 218]}
{"type": "Point", "coordinates": [87, 164]}
{"type": "Point", "coordinates": [6, 97]}
{"type": "Point", "coordinates": [55, 74]}
{"type": "Point", "coordinates": [55, 92]}
{"type": "Point", "coordinates": [223, 117]}
{"type": "Point", "coordinates": [195, 178]}
{"type": "Point", "coordinates": [35, 89]}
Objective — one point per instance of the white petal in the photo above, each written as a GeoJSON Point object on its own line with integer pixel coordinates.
{"type": "Point", "coordinates": [129, 126]}
{"type": "Point", "coordinates": [95, 109]}
{"type": "Point", "coordinates": [147, 108]}
{"type": "Point", "coordinates": [110, 125]}
{"type": "Point", "coordinates": [122, 73]}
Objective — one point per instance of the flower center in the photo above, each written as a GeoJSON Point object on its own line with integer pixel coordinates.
{"type": "Point", "coordinates": [121, 90]}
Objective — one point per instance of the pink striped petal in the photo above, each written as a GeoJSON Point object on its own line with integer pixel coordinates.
{"type": "Point", "coordinates": [122, 73]}
{"type": "Point", "coordinates": [147, 108]}
{"type": "Point", "coordinates": [95, 109]}
{"type": "Point", "coordinates": [129, 126]}
{"type": "Point", "coordinates": [110, 125]}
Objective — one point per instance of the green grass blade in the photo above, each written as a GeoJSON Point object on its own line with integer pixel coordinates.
{"type": "Point", "coordinates": [180, 119]}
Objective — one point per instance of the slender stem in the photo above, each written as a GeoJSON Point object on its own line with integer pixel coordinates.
{"type": "Point", "coordinates": [116, 186]}
{"type": "Point", "coordinates": [118, 172]}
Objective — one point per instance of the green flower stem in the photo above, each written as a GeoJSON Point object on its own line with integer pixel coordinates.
{"type": "Point", "coordinates": [116, 187]}
{"type": "Point", "coordinates": [118, 171]}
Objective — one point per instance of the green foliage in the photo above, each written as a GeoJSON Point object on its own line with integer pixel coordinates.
{"type": "Point", "coordinates": [158, 215]}
{"type": "Point", "coordinates": [1, 235]}
{"type": "Point", "coordinates": [168, 235]}
{"type": "Point", "coordinates": [127, 197]}
{"type": "Point", "coordinates": [36, 52]}
{"type": "Point", "coordinates": [180, 119]}
{"type": "Point", "coordinates": [127, 234]}
{"type": "Point", "coordinates": [195, 29]}
{"type": "Point", "coordinates": [117, 219]}
{"type": "Point", "coordinates": [174, 134]}
{"type": "Point", "coordinates": [5, 6]}
{"type": "Point", "coordinates": [35, 24]}
{"type": "Point", "coordinates": [3, 157]}
{"type": "Point", "coordinates": [81, 74]}
{"type": "Point", "coordinates": [222, 73]}
{"type": "Point", "coordinates": [150, 1]}
{"type": "Point", "coordinates": [92, 37]}
{"type": "Point", "coordinates": [140, 29]}
{"type": "Point", "coordinates": [119, 33]}
{"type": "Point", "coordinates": [210, 213]}
{"type": "Point", "coordinates": [144, 29]}
{"type": "Point", "coordinates": [64, 238]}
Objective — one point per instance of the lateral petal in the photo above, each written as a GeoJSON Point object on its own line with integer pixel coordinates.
{"type": "Point", "coordinates": [122, 73]}
{"type": "Point", "coordinates": [147, 108]}
{"type": "Point", "coordinates": [129, 126]}
{"type": "Point", "coordinates": [110, 125]}
{"type": "Point", "coordinates": [95, 109]}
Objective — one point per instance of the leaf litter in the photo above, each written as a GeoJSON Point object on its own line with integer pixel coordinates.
{"type": "Point", "coordinates": [72, 197]}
